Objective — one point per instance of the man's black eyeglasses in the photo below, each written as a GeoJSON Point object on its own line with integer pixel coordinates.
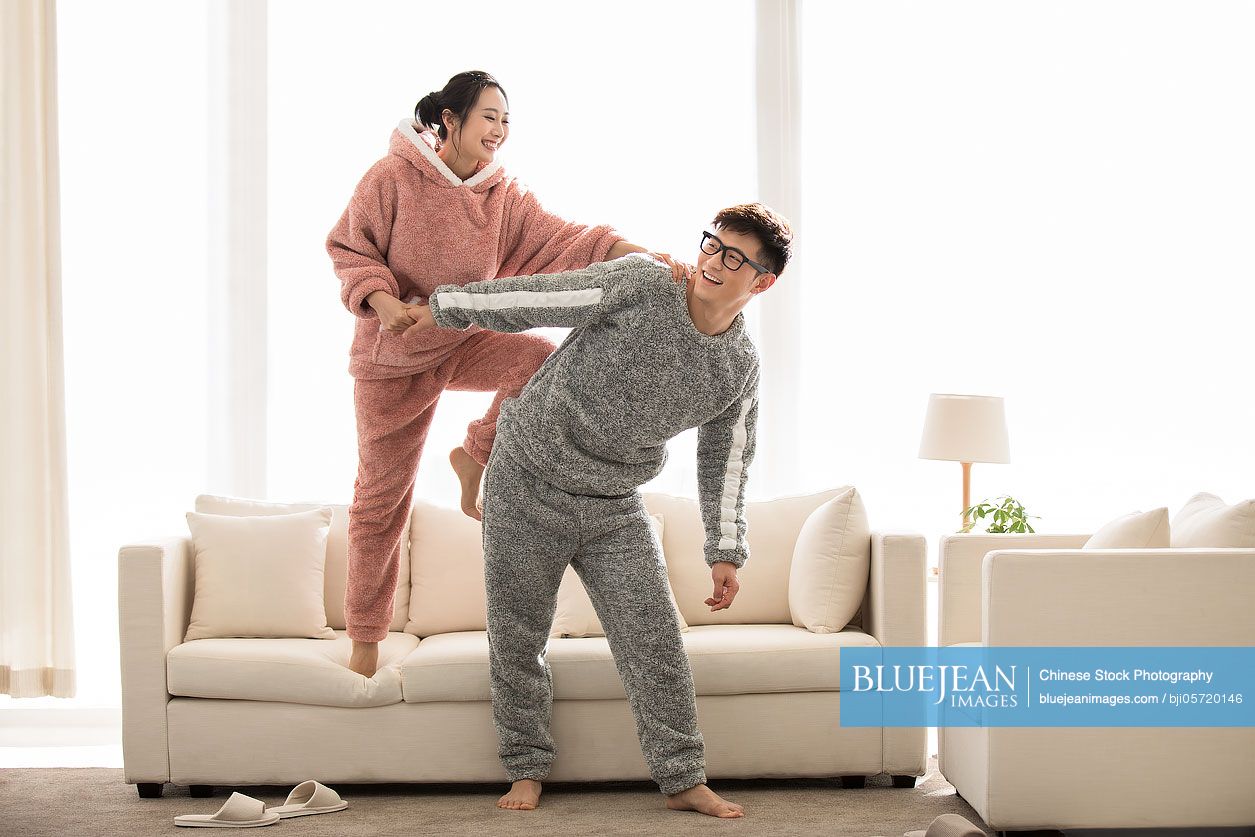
{"type": "Point", "coordinates": [732, 257]}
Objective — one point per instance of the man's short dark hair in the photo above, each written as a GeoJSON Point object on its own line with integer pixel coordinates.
{"type": "Point", "coordinates": [773, 232]}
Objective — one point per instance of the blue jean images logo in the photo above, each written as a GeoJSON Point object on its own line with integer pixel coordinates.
{"type": "Point", "coordinates": [1048, 687]}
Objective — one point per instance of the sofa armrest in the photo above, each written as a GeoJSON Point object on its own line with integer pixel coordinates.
{"type": "Point", "coordinates": [1137, 597]}
{"type": "Point", "coordinates": [895, 613]}
{"type": "Point", "coordinates": [959, 609]}
{"type": "Point", "coordinates": [896, 605]}
{"type": "Point", "coordinates": [156, 584]}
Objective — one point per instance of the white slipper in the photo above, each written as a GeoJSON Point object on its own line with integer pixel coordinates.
{"type": "Point", "coordinates": [949, 825]}
{"type": "Point", "coordinates": [239, 811]}
{"type": "Point", "coordinates": [307, 798]}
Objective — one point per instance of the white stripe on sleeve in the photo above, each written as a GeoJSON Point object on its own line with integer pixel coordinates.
{"type": "Point", "coordinates": [732, 480]}
{"type": "Point", "coordinates": [519, 299]}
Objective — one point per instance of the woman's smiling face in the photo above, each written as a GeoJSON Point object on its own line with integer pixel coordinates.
{"type": "Point", "coordinates": [485, 129]}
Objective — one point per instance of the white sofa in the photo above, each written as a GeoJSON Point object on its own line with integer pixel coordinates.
{"type": "Point", "coordinates": [1044, 590]}
{"type": "Point", "coordinates": [278, 711]}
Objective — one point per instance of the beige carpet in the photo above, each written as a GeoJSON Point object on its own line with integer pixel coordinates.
{"type": "Point", "coordinates": [95, 801]}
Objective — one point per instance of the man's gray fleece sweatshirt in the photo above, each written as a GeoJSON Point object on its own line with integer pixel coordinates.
{"type": "Point", "coordinates": [633, 373]}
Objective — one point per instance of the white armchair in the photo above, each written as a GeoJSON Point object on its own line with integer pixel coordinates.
{"type": "Point", "coordinates": [1043, 590]}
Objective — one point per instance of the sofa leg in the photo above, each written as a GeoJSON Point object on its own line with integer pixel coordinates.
{"type": "Point", "coordinates": [149, 790]}
{"type": "Point", "coordinates": [853, 782]}
{"type": "Point", "coordinates": [904, 781]}
{"type": "Point", "coordinates": [201, 791]}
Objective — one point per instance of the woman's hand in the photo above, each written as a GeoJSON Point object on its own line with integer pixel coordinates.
{"type": "Point", "coordinates": [394, 315]}
{"type": "Point", "coordinates": [423, 320]}
{"type": "Point", "coordinates": [679, 270]}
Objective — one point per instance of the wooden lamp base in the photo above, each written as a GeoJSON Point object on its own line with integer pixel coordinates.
{"type": "Point", "coordinates": [967, 489]}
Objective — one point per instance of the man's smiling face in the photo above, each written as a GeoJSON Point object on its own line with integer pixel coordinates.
{"type": "Point", "coordinates": [719, 285]}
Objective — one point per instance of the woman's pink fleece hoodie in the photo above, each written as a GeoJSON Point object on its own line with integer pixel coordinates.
{"type": "Point", "coordinates": [413, 225]}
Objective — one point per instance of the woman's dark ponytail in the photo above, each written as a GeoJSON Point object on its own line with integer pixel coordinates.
{"type": "Point", "coordinates": [427, 111]}
{"type": "Point", "coordinates": [459, 96]}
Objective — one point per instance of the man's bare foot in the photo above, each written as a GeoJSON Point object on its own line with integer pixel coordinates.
{"type": "Point", "coordinates": [365, 658]}
{"type": "Point", "coordinates": [524, 795]}
{"type": "Point", "coordinates": [469, 474]}
{"type": "Point", "coordinates": [702, 799]}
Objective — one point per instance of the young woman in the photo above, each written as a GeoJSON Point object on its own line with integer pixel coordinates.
{"type": "Point", "coordinates": [437, 209]}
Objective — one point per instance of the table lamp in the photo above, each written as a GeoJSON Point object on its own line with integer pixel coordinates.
{"type": "Point", "coordinates": [966, 429]}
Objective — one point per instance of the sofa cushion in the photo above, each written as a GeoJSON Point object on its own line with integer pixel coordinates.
{"type": "Point", "coordinates": [725, 659]}
{"type": "Point", "coordinates": [1138, 530]}
{"type": "Point", "coordinates": [336, 569]}
{"type": "Point", "coordinates": [259, 576]}
{"type": "Point", "coordinates": [575, 615]}
{"type": "Point", "coordinates": [1205, 521]}
{"type": "Point", "coordinates": [308, 671]}
{"type": "Point", "coordinates": [446, 572]}
{"type": "Point", "coordinates": [447, 564]}
{"type": "Point", "coordinates": [773, 527]}
{"type": "Point", "coordinates": [828, 574]}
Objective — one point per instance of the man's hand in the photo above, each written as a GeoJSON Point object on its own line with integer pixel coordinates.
{"type": "Point", "coordinates": [393, 313]}
{"type": "Point", "coordinates": [726, 586]}
{"type": "Point", "coordinates": [422, 317]}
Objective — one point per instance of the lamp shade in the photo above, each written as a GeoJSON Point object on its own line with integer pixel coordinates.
{"type": "Point", "coordinates": [965, 428]}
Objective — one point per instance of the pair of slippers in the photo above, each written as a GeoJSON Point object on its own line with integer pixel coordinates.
{"type": "Point", "coordinates": [242, 811]}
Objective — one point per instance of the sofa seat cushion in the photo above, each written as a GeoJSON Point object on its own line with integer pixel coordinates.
{"type": "Point", "coordinates": [308, 671]}
{"type": "Point", "coordinates": [725, 659]}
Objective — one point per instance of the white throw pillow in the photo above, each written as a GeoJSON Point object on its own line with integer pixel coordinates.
{"type": "Point", "coordinates": [447, 572]}
{"type": "Point", "coordinates": [576, 616]}
{"type": "Point", "coordinates": [831, 561]}
{"type": "Point", "coordinates": [1206, 521]}
{"type": "Point", "coordinates": [259, 576]}
{"type": "Point", "coordinates": [336, 570]}
{"type": "Point", "coordinates": [773, 526]}
{"type": "Point", "coordinates": [1139, 530]}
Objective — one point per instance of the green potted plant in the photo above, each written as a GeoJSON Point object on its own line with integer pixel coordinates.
{"type": "Point", "coordinates": [1007, 517]}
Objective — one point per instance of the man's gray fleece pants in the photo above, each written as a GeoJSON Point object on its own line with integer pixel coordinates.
{"type": "Point", "coordinates": [532, 530]}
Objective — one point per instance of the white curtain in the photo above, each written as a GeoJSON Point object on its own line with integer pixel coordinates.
{"type": "Point", "coordinates": [778, 114]}
{"type": "Point", "coordinates": [36, 623]}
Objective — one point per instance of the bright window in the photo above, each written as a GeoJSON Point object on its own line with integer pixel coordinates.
{"type": "Point", "coordinates": [1052, 202]}
{"type": "Point", "coordinates": [642, 120]}
{"type": "Point", "coordinates": [132, 84]}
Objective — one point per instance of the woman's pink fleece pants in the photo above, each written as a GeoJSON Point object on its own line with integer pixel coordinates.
{"type": "Point", "coordinates": [393, 417]}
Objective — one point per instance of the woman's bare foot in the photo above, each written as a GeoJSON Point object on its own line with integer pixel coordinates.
{"type": "Point", "coordinates": [365, 658]}
{"type": "Point", "coordinates": [702, 799]}
{"type": "Point", "coordinates": [524, 795]}
{"type": "Point", "coordinates": [469, 474]}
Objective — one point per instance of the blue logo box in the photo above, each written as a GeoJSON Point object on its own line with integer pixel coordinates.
{"type": "Point", "coordinates": [1048, 687]}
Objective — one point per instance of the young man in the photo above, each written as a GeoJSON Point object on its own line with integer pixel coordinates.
{"type": "Point", "coordinates": [646, 360]}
